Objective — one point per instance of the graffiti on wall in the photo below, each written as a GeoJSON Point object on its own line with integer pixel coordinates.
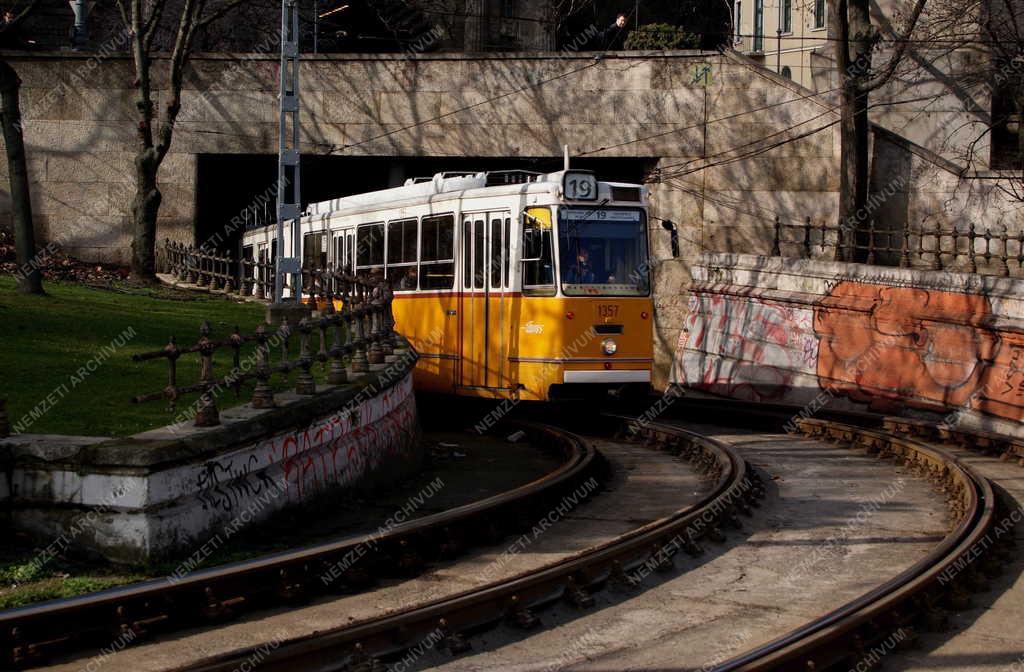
{"type": "Point", "coordinates": [894, 346]}
{"type": "Point", "coordinates": [745, 348]}
{"type": "Point", "coordinates": [331, 453]}
{"type": "Point", "coordinates": [877, 345]}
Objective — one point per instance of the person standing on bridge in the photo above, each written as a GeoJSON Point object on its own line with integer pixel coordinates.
{"type": "Point", "coordinates": [614, 36]}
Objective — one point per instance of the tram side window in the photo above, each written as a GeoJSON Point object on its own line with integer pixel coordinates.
{"type": "Point", "coordinates": [314, 252]}
{"type": "Point", "coordinates": [478, 259]}
{"type": "Point", "coordinates": [467, 254]}
{"type": "Point", "coordinates": [370, 246]}
{"type": "Point", "coordinates": [508, 251]}
{"type": "Point", "coordinates": [437, 252]}
{"type": "Point", "coordinates": [538, 264]}
{"type": "Point", "coordinates": [401, 260]}
{"type": "Point", "coordinates": [497, 254]}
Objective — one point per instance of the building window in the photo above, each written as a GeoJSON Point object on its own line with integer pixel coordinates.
{"type": "Point", "coordinates": [508, 9]}
{"type": "Point", "coordinates": [787, 16]}
{"type": "Point", "coordinates": [786, 72]}
{"type": "Point", "coordinates": [737, 23]}
{"type": "Point", "coordinates": [758, 25]}
{"type": "Point", "coordinates": [819, 13]}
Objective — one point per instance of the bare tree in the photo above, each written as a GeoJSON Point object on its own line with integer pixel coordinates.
{"type": "Point", "coordinates": [856, 39]}
{"type": "Point", "coordinates": [1001, 29]}
{"type": "Point", "coordinates": [144, 19]}
{"type": "Point", "coordinates": [30, 278]}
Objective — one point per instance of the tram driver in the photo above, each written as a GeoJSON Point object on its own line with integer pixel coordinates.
{"type": "Point", "coordinates": [581, 272]}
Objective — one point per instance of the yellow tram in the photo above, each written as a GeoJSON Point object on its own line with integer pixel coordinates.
{"type": "Point", "coordinates": [509, 284]}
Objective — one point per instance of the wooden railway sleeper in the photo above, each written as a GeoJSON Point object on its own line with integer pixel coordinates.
{"type": "Point", "coordinates": [32, 652]}
{"type": "Point", "coordinates": [451, 640]}
{"type": "Point", "coordinates": [360, 661]}
{"type": "Point", "coordinates": [289, 588]}
{"type": "Point", "coordinates": [619, 580]}
{"type": "Point", "coordinates": [577, 596]}
{"type": "Point", "coordinates": [520, 616]}
{"type": "Point", "coordinates": [217, 610]}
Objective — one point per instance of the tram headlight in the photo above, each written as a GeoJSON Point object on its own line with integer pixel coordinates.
{"type": "Point", "coordinates": [608, 346]}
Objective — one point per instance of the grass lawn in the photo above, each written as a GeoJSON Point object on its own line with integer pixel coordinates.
{"type": "Point", "coordinates": [46, 341]}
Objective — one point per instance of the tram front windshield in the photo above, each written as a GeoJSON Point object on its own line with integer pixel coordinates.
{"type": "Point", "coordinates": [602, 252]}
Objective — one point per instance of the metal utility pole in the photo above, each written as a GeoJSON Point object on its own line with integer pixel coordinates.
{"type": "Point", "coordinates": [80, 33]}
{"type": "Point", "coordinates": [778, 42]}
{"type": "Point", "coordinates": [288, 154]}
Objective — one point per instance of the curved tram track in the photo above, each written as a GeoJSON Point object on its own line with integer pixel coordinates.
{"type": "Point", "coordinates": [30, 635]}
{"type": "Point", "coordinates": [515, 600]}
{"type": "Point", "coordinates": [856, 635]}
{"type": "Point", "coordinates": [842, 639]}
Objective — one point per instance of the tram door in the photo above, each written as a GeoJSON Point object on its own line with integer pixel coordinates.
{"type": "Point", "coordinates": [484, 301]}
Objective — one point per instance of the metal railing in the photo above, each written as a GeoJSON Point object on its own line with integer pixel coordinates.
{"type": "Point", "coordinates": [988, 253]}
{"type": "Point", "coordinates": [247, 277]}
{"type": "Point", "coordinates": [355, 329]}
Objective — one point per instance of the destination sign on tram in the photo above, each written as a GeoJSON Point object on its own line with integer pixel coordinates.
{"type": "Point", "coordinates": [578, 214]}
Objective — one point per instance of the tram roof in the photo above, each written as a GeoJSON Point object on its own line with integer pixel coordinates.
{"type": "Point", "coordinates": [494, 182]}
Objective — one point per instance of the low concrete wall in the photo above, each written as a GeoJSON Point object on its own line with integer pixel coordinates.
{"type": "Point", "coordinates": [170, 490]}
{"type": "Point", "coordinates": [856, 337]}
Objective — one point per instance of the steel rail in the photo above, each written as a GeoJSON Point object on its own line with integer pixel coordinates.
{"type": "Point", "coordinates": [620, 560]}
{"type": "Point", "coordinates": [29, 634]}
{"type": "Point", "coordinates": [845, 636]}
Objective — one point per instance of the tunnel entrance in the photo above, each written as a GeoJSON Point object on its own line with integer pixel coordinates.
{"type": "Point", "coordinates": [243, 186]}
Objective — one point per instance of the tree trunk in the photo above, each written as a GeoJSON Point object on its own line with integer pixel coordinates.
{"type": "Point", "coordinates": [145, 207]}
{"type": "Point", "coordinates": [855, 134]}
{"type": "Point", "coordinates": [1019, 100]}
{"type": "Point", "coordinates": [847, 171]}
{"type": "Point", "coordinates": [30, 278]}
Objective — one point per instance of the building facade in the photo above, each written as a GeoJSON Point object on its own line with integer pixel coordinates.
{"type": "Point", "coordinates": [782, 35]}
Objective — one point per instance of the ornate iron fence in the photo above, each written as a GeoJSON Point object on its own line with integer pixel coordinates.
{"type": "Point", "coordinates": [247, 277]}
{"type": "Point", "coordinates": [355, 329]}
{"type": "Point", "coordinates": [1000, 254]}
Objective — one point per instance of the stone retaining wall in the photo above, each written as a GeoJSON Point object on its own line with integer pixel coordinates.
{"type": "Point", "coordinates": [856, 337]}
{"type": "Point", "coordinates": [169, 490]}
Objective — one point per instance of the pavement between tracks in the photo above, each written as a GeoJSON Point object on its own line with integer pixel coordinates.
{"type": "Point", "coordinates": [804, 553]}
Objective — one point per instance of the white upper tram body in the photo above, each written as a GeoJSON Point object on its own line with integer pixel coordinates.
{"type": "Point", "coordinates": [339, 233]}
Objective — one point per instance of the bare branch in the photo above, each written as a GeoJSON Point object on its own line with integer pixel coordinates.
{"type": "Point", "coordinates": [179, 55]}
{"type": "Point", "coordinates": [219, 12]}
{"type": "Point", "coordinates": [152, 24]}
{"type": "Point", "coordinates": [124, 14]}
{"type": "Point", "coordinates": [20, 18]}
{"type": "Point", "coordinates": [902, 41]}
